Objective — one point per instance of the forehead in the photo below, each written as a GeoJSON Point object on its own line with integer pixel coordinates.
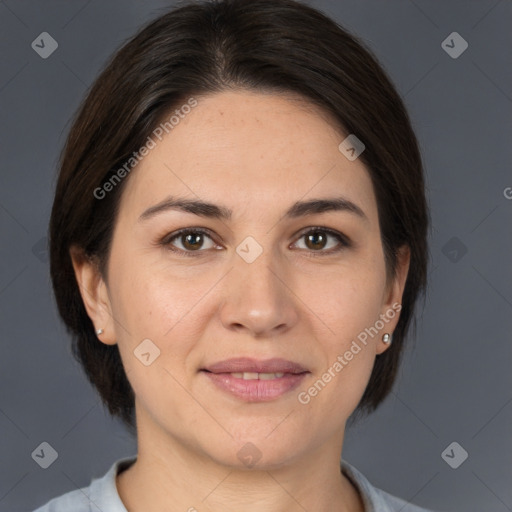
{"type": "Point", "coordinates": [249, 150]}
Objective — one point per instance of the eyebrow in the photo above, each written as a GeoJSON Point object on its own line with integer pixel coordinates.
{"type": "Point", "coordinates": [213, 211]}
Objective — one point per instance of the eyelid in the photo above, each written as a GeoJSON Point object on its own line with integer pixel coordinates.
{"type": "Point", "coordinates": [175, 234]}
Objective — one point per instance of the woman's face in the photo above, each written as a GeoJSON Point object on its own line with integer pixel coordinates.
{"type": "Point", "coordinates": [265, 272]}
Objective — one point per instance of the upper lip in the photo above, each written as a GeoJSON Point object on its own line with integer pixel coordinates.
{"type": "Point", "coordinates": [246, 364]}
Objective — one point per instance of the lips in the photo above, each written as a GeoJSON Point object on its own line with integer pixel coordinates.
{"type": "Point", "coordinates": [255, 381]}
{"type": "Point", "coordinates": [248, 365]}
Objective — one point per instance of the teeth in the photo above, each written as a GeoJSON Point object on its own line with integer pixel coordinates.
{"type": "Point", "coordinates": [256, 376]}
{"type": "Point", "coordinates": [268, 376]}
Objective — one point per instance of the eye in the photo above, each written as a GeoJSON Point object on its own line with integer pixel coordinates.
{"type": "Point", "coordinates": [188, 241]}
{"type": "Point", "coordinates": [196, 240]}
{"type": "Point", "coordinates": [317, 239]}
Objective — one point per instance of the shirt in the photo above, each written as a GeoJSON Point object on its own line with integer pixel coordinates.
{"type": "Point", "coordinates": [102, 496]}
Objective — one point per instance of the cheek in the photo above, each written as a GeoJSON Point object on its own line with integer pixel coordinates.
{"type": "Point", "coordinates": [169, 309]}
{"type": "Point", "coordinates": [350, 300]}
{"type": "Point", "coordinates": [347, 304]}
{"type": "Point", "coordinates": [149, 307]}
{"type": "Point", "coordinates": [142, 297]}
{"type": "Point", "coordinates": [348, 308]}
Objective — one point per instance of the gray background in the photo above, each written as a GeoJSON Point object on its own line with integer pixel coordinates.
{"type": "Point", "coordinates": [455, 384]}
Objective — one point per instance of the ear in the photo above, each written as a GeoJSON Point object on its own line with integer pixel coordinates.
{"type": "Point", "coordinates": [392, 304]}
{"type": "Point", "coordinates": [94, 294]}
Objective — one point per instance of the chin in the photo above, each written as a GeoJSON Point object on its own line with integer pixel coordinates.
{"type": "Point", "coordinates": [253, 452]}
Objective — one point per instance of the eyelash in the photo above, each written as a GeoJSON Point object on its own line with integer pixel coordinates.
{"type": "Point", "coordinates": [168, 239]}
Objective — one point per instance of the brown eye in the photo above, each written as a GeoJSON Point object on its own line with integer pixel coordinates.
{"type": "Point", "coordinates": [322, 240]}
{"type": "Point", "coordinates": [316, 240]}
{"type": "Point", "coordinates": [192, 241]}
{"type": "Point", "coordinates": [189, 241]}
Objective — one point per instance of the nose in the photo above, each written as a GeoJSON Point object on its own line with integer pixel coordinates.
{"type": "Point", "coordinates": [258, 298]}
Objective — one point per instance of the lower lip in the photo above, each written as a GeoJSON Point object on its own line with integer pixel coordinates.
{"type": "Point", "coordinates": [256, 390]}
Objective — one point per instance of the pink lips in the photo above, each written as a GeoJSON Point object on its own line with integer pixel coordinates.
{"type": "Point", "coordinates": [254, 389]}
{"type": "Point", "coordinates": [246, 364]}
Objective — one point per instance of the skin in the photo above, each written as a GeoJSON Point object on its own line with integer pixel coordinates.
{"type": "Point", "coordinates": [256, 154]}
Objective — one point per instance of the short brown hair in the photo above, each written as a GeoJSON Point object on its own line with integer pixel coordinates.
{"type": "Point", "coordinates": [205, 47]}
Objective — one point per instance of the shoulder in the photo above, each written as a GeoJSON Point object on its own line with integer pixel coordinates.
{"type": "Point", "coordinates": [100, 495]}
{"type": "Point", "coordinates": [375, 499]}
{"type": "Point", "coordinates": [398, 504]}
{"type": "Point", "coordinates": [77, 501]}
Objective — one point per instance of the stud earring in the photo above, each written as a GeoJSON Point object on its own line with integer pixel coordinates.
{"type": "Point", "coordinates": [386, 338]}
{"type": "Point", "coordinates": [99, 331]}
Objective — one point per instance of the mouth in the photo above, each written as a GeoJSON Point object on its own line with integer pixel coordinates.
{"type": "Point", "coordinates": [256, 376]}
{"type": "Point", "coordinates": [248, 366]}
{"type": "Point", "coordinates": [255, 381]}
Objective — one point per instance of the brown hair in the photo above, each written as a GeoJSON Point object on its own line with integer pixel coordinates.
{"type": "Point", "coordinates": [206, 47]}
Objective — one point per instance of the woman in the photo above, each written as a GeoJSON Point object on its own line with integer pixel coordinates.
{"type": "Point", "coordinates": [238, 241]}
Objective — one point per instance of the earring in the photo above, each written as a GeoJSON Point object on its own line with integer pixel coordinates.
{"type": "Point", "coordinates": [386, 338]}
{"type": "Point", "coordinates": [99, 331]}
